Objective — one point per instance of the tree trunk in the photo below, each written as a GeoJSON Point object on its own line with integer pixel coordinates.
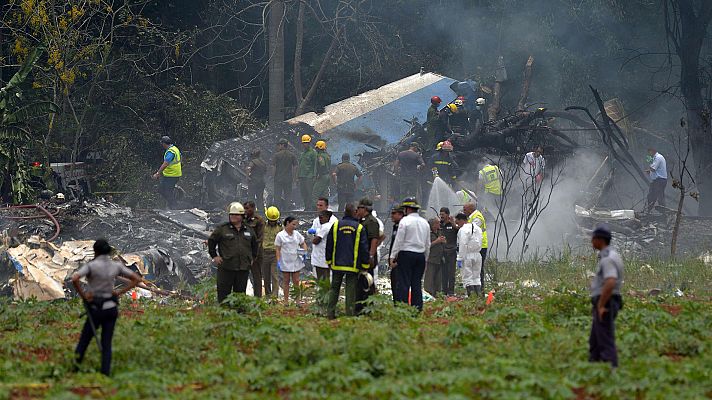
{"type": "Point", "coordinates": [678, 217]}
{"type": "Point", "coordinates": [299, 43]}
{"type": "Point", "coordinates": [276, 62]}
{"type": "Point", "coordinates": [315, 83]}
{"type": "Point", "coordinates": [522, 105]}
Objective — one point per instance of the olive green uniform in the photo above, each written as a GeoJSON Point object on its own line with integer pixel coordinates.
{"type": "Point", "coordinates": [238, 249]}
{"type": "Point", "coordinates": [284, 162]}
{"type": "Point", "coordinates": [270, 274]}
{"type": "Point", "coordinates": [258, 225]}
{"type": "Point", "coordinates": [306, 174]}
{"type": "Point", "coordinates": [432, 282]}
{"type": "Point", "coordinates": [372, 233]}
{"type": "Point", "coordinates": [323, 174]}
{"type": "Point", "coordinates": [346, 172]}
{"type": "Point", "coordinates": [256, 181]}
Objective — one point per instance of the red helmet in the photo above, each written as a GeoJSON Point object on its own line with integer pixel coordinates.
{"type": "Point", "coordinates": [435, 100]}
{"type": "Point", "coordinates": [461, 98]}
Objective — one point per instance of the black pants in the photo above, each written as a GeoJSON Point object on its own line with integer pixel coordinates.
{"type": "Point", "coordinates": [283, 194]}
{"type": "Point", "coordinates": [656, 193]}
{"type": "Point", "coordinates": [231, 281]}
{"type": "Point", "coordinates": [602, 342]}
{"type": "Point", "coordinates": [448, 273]}
{"type": "Point", "coordinates": [409, 275]}
{"type": "Point", "coordinates": [338, 277]}
{"type": "Point", "coordinates": [323, 274]}
{"type": "Point", "coordinates": [256, 274]}
{"type": "Point", "coordinates": [394, 284]}
{"type": "Point", "coordinates": [166, 188]}
{"type": "Point", "coordinates": [255, 192]}
{"type": "Point", "coordinates": [345, 198]}
{"type": "Point", "coordinates": [483, 253]}
{"type": "Point", "coordinates": [106, 321]}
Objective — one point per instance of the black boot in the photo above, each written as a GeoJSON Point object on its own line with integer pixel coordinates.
{"type": "Point", "coordinates": [469, 290]}
{"type": "Point", "coordinates": [478, 290]}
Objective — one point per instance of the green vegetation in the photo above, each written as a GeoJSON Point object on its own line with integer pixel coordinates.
{"type": "Point", "coordinates": [530, 343]}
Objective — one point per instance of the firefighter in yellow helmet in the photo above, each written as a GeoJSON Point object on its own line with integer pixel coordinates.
{"type": "Point", "coordinates": [442, 163]}
{"type": "Point", "coordinates": [270, 273]}
{"type": "Point", "coordinates": [233, 247]}
{"type": "Point", "coordinates": [322, 171]}
{"type": "Point", "coordinates": [307, 172]}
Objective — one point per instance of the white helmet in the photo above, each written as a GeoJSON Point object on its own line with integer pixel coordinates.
{"type": "Point", "coordinates": [368, 279]}
{"type": "Point", "coordinates": [236, 208]}
{"type": "Point", "coordinates": [60, 196]}
{"type": "Point", "coordinates": [480, 101]}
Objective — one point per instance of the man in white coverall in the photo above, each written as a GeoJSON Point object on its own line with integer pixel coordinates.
{"type": "Point", "coordinates": [469, 260]}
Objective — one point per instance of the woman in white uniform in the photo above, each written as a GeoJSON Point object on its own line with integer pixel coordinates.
{"type": "Point", "coordinates": [289, 259]}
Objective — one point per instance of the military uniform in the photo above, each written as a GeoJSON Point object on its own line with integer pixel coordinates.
{"type": "Point", "coordinates": [409, 181]}
{"type": "Point", "coordinates": [347, 254]}
{"type": "Point", "coordinates": [270, 274]}
{"type": "Point", "coordinates": [323, 174]}
{"type": "Point", "coordinates": [436, 127]}
{"type": "Point", "coordinates": [346, 172]}
{"type": "Point", "coordinates": [238, 249]}
{"type": "Point", "coordinates": [256, 181]}
{"type": "Point", "coordinates": [373, 232]}
{"type": "Point", "coordinates": [449, 270]}
{"type": "Point", "coordinates": [284, 162]}
{"type": "Point", "coordinates": [307, 173]}
{"type": "Point", "coordinates": [432, 282]}
{"type": "Point", "coordinates": [257, 224]}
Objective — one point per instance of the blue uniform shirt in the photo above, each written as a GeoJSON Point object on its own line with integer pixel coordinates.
{"type": "Point", "coordinates": [658, 168]}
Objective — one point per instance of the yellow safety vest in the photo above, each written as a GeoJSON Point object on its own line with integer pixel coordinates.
{"type": "Point", "coordinates": [347, 268]}
{"type": "Point", "coordinates": [493, 185]}
{"type": "Point", "coordinates": [478, 215]}
{"type": "Point", "coordinates": [173, 169]}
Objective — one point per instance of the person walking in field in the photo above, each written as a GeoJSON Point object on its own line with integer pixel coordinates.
{"type": "Point", "coordinates": [606, 299]}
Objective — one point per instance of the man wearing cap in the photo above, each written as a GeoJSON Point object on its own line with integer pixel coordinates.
{"type": "Point", "coordinates": [233, 247]}
{"type": "Point", "coordinates": [322, 170]}
{"type": "Point", "coordinates": [373, 233]}
{"type": "Point", "coordinates": [256, 171]}
{"type": "Point", "coordinates": [285, 164]}
{"type": "Point", "coordinates": [343, 176]}
{"type": "Point", "coordinates": [606, 298]}
{"type": "Point", "coordinates": [307, 172]}
{"type": "Point", "coordinates": [411, 247]}
{"type": "Point", "coordinates": [169, 172]}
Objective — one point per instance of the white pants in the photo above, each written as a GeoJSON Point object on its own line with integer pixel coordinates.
{"type": "Point", "coordinates": [471, 271]}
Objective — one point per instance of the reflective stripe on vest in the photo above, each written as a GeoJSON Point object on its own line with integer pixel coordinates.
{"type": "Point", "coordinates": [492, 182]}
{"type": "Point", "coordinates": [348, 268]}
{"type": "Point", "coordinates": [478, 215]}
{"type": "Point", "coordinates": [443, 162]}
{"type": "Point", "coordinates": [173, 169]}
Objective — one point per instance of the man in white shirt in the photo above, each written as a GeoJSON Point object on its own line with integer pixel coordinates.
{"type": "Point", "coordinates": [410, 250]}
{"type": "Point", "coordinates": [318, 256]}
{"type": "Point", "coordinates": [534, 164]}
{"type": "Point", "coordinates": [469, 260]}
{"type": "Point", "coordinates": [657, 172]}
{"type": "Point", "coordinates": [322, 204]}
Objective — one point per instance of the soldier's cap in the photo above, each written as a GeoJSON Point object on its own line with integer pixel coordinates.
{"type": "Point", "coordinates": [602, 231]}
{"type": "Point", "coordinates": [283, 141]}
{"type": "Point", "coordinates": [365, 203]}
{"type": "Point", "coordinates": [398, 209]}
{"type": "Point", "coordinates": [416, 145]}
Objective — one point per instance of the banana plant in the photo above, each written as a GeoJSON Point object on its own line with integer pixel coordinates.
{"type": "Point", "coordinates": [15, 113]}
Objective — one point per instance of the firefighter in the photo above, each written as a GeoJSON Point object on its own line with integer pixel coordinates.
{"type": "Point", "coordinates": [285, 164]}
{"type": "Point", "coordinates": [347, 255]}
{"type": "Point", "coordinates": [343, 177]}
{"type": "Point", "coordinates": [476, 217]}
{"type": "Point", "coordinates": [257, 224]}
{"type": "Point", "coordinates": [477, 116]}
{"type": "Point", "coordinates": [256, 171]}
{"type": "Point", "coordinates": [233, 248]}
{"type": "Point", "coordinates": [169, 172]}
{"type": "Point", "coordinates": [436, 123]}
{"type": "Point", "coordinates": [443, 165]}
{"type": "Point", "coordinates": [270, 273]}
{"type": "Point", "coordinates": [322, 171]}
{"type": "Point", "coordinates": [459, 119]}
{"type": "Point", "coordinates": [307, 172]}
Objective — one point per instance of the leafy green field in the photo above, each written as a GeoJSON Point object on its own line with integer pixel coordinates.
{"type": "Point", "coordinates": [530, 343]}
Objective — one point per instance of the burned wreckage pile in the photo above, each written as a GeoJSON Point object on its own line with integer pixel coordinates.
{"type": "Point", "coordinates": [165, 247]}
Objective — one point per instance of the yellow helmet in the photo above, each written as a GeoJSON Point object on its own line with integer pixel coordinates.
{"type": "Point", "coordinates": [236, 208]}
{"type": "Point", "coordinates": [306, 139]}
{"type": "Point", "coordinates": [272, 213]}
{"type": "Point", "coordinates": [439, 146]}
{"type": "Point", "coordinates": [452, 107]}
{"type": "Point", "coordinates": [320, 144]}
